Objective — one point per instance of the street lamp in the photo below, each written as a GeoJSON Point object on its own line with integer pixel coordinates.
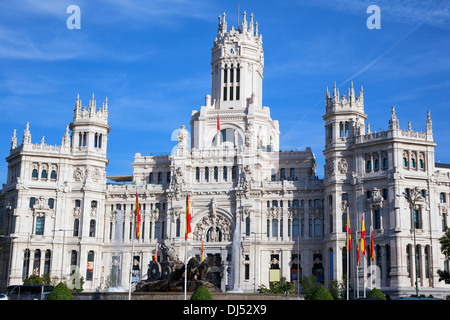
{"type": "Point", "coordinates": [412, 196]}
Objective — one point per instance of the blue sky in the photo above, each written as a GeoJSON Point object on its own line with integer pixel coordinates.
{"type": "Point", "coordinates": [152, 60]}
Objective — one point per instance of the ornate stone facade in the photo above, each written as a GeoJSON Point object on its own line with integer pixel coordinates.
{"type": "Point", "coordinates": [263, 211]}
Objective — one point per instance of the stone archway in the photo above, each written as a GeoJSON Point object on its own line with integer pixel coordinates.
{"type": "Point", "coordinates": [213, 225]}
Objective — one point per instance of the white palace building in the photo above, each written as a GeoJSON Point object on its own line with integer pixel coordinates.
{"type": "Point", "coordinates": [58, 213]}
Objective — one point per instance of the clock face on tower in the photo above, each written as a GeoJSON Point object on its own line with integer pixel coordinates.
{"type": "Point", "coordinates": [232, 50]}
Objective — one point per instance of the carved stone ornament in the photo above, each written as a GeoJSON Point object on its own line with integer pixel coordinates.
{"type": "Point", "coordinates": [78, 174]}
{"type": "Point", "coordinates": [343, 166]}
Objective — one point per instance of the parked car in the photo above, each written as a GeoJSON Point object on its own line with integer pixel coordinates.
{"type": "Point", "coordinates": [3, 296]}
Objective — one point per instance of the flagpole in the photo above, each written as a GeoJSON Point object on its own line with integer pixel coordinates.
{"type": "Point", "coordinates": [348, 250]}
{"type": "Point", "coordinates": [131, 265]}
{"type": "Point", "coordinates": [185, 270]}
{"type": "Point", "coordinates": [358, 252]}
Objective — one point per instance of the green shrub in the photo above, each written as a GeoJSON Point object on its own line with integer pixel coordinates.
{"type": "Point", "coordinates": [376, 293]}
{"type": "Point", "coordinates": [321, 293]}
{"type": "Point", "coordinates": [60, 292]}
{"type": "Point", "coordinates": [309, 285]}
{"type": "Point", "coordinates": [201, 293]}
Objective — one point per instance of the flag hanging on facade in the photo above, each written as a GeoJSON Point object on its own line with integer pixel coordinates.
{"type": "Point", "coordinates": [349, 232]}
{"type": "Point", "coordinates": [218, 124]}
{"type": "Point", "coordinates": [363, 237]}
{"type": "Point", "coordinates": [138, 217]}
{"type": "Point", "coordinates": [357, 251]}
{"type": "Point", "coordinates": [156, 253]}
{"type": "Point", "coordinates": [372, 251]}
{"type": "Point", "coordinates": [203, 252]}
{"type": "Point", "coordinates": [188, 218]}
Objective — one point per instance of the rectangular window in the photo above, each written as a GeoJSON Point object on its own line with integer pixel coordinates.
{"type": "Point", "coordinates": [92, 228]}
{"type": "Point", "coordinates": [368, 165]}
{"type": "Point", "coordinates": [76, 227]}
{"type": "Point", "coordinates": [40, 222]}
{"type": "Point", "coordinates": [385, 163]}
{"type": "Point", "coordinates": [90, 266]}
{"type": "Point", "coordinates": [224, 93]}
{"type": "Point", "coordinates": [231, 93]}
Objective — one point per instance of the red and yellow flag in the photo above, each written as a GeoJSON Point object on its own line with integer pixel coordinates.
{"type": "Point", "coordinates": [203, 252]}
{"type": "Point", "coordinates": [138, 217]}
{"type": "Point", "coordinates": [372, 251]}
{"type": "Point", "coordinates": [349, 232]}
{"type": "Point", "coordinates": [156, 253]}
{"type": "Point", "coordinates": [363, 237]}
{"type": "Point", "coordinates": [218, 124]}
{"type": "Point", "coordinates": [357, 251]}
{"type": "Point", "coordinates": [188, 218]}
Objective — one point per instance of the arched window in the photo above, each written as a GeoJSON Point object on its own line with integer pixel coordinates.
{"type": "Point", "coordinates": [44, 174]}
{"type": "Point", "coordinates": [225, 173]}
{"type": "Point", "coordinates": [341, 129]}
{"type": "Point", "coordinates": [413, 163]}
{"type": "Point", "coordinates": [206, 174]}
{"type": "Point", "coordinates": [405, 163]}
{"type": "Point", "coordinates": [34, 174]}
{"type": "Point", "coordinates": [53, 175]}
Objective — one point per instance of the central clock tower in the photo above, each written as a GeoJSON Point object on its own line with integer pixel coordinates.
{"type": "Point", "coordinates": [237, 62]}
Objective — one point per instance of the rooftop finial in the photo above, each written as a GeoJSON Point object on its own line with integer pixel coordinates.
{"type": "Point", "coordinates": [250, 28]}
{"type": "Point", "coordinates": [429, 123]}
{"type": "Point", "coordinates": [244, 22]}
{"type": "Point", "coordinates": [393, 122]}
{"type": "Point", "coordinates": [224, 23]}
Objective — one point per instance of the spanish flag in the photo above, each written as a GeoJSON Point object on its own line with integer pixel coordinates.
{"type": "Point", "coordinates": [138, 217]}
{"type": "Point", "coordinates": [156, 253]}
{"type": "Point", "coordinates": [203, 252]}
{"type": "Point", "coordinates": [188, 218]}
{"type": "Point", "coordinates": [363, 237]}
{"type": "Point", "coordinates": [349, 232]}
{"type": "Point", "coordinates": [372, 251]}
{"type": "Point", "coordinates": [357, 251]}
{"type": "Point", "coordinates": [218, 124]}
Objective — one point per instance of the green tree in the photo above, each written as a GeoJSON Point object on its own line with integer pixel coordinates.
{"type": "Point", "coordinates": [60, 292]}
{"type": "Point", "coordinates": [321, 293]}
{"type": "Point", "coordinates": [281, 286]}
{"type": "Point", "coordinates": [309, 285]}
{"type": "Point", "coordinates": [202, 293]}
{"type": "Point", "coordinates": [33, 279]}
{"type": "Point", "coordinates": [376, 293]}
{"type": "Point", "coordinates": [445, 249]}
{"type": "Point", "coordinates": [334, 289]}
